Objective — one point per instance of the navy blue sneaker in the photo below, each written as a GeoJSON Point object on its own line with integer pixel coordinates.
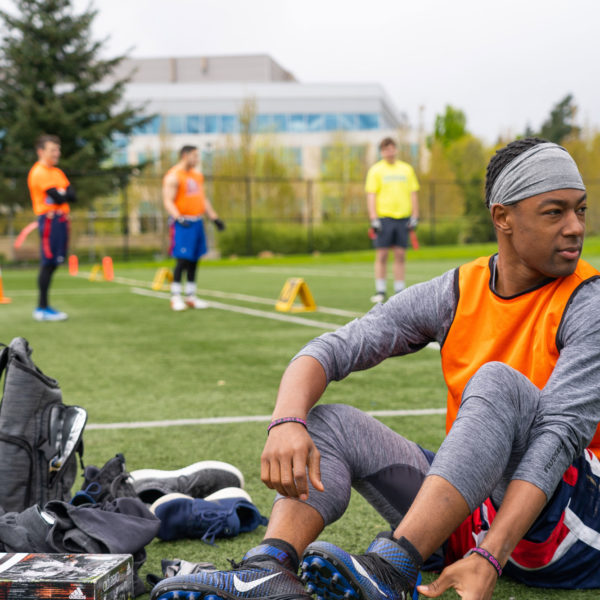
{"type": "Point", "coordinates": [333, 574]}
{"type": "Point", "coordinates": [265, 573]}
{"type": "Point", "coordinates": [182, 516]}
{"type": "Point", "coordinates": [105, 484]}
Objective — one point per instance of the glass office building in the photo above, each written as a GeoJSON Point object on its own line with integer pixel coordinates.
{"type": "Point", "coordinates": [198, 101]}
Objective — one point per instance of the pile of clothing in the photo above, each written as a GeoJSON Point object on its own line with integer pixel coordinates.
{"type": "Point", "coordinates": [117, 512]}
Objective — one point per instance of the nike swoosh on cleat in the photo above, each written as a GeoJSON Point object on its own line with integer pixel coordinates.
{"type": "Point", "coordinates": [362, 571]}
{"type": "Point", "coordinates": [246, 586]}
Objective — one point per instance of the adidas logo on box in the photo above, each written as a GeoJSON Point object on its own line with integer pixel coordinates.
{"type": "Point", "coordinates": [77, 594]}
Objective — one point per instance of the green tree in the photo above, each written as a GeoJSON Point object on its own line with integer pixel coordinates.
{"type": "Point", "coordinates": [468, 159]}
{"type": "Point", "coordinates": [252, 167]}
{"type": "Point", "coordinates": [344, 169]}
{"type": "Point", "coordinates": [451, 126]}
{"type": "Point", "coordinates": [53, 81]}
{"type": "Point", "coordinates": [560, 124]}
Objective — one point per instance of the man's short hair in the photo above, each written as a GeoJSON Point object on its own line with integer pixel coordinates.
{"type": "Point", "coordinates": [186, 150]}
{"type": "Point", "coordinates": [502, 157]}
{"type": "Point", "coordinates": [385, 142]}
{"type": "Point", "coordinates": [43, 139]}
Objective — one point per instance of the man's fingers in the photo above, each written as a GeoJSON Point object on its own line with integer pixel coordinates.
{"type": "Point", "coordinates": [435, 588]}
{"type": "Point", "coordinates": [265, 472]}
{"type": "Point", "coordinates": [314, 469]}
{"type": "Point", "coordinates": [275, 476]}
{"type": "Point", "coordinates": [300, 476]}
{"type": "Point", "coordinates": [286, 476]}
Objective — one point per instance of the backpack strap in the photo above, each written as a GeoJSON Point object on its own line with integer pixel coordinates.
{"type": "Point", "coordinates": [3, 358]}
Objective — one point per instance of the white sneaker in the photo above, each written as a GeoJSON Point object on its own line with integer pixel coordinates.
{"type": "Point", "coordinates": [194, 302]}
{"type": "Point", "coordinates": [378, 297]}
{"type": "Point", "coordinates": [49, 314]}
{"type": "Point", "coordinates": [177, 303]}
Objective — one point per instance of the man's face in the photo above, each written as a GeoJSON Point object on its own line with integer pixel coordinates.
{"type": "Point", "coordinates": [546, 233]}
{"type": "Point", "coordinates": [190, 159]}
{"type": "Point", "coordinates": [49, 154]}
{"type": "Point", "coordinates": [389, 153]}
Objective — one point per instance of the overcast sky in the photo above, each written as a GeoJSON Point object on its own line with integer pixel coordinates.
{"type": "Point", "coordinates": [505, 63]}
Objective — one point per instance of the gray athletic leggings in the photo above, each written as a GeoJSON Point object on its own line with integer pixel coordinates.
{"type": "Point", "coordinates": [479, 456]}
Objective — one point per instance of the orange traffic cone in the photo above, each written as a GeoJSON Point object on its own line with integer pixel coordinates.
{"type": "Point", "coordinates": [3, 298]}
{"type": "Point", "coordinates": [73, 265]}
{"type": "Point", "coordinates": [107, 268]}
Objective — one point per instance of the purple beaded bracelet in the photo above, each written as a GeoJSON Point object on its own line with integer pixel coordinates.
{"type": "Point", "coordinates": [489, 557]}
{"type": "Point", "coordinates": [276, 422]}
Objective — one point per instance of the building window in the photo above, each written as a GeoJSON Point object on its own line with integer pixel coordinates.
{"type": "Point", "coordinates": [368, 121]}
{"type": "Point", "coordinates": [175, 124]}
{"type": "Point", "coordinates": [230, 124]}
{"type": "Point", "coordinates": [265, 123]}
{"type": "Point", "coordinates": [280, 123]}
{"type": "Point", "coordinates": [348, 122]}
{"type": "Point", "coordinates": [315, 122]}
{"type": "Point", "coordinates": [211, 124]}
{"type": "Point", "coordinates": [152, 127]}
{"type": "Point", "coordinates": [194, 124]}
{"type": "Point", "coordinates": [331, 122]}
{"type": "Point", "coordinates": [297, 123]}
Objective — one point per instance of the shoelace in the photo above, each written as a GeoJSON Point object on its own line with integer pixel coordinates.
{"type": "Point", "coordinates": [116, 489]}
{"type": "Point", "coordinates": [214, 521]}
{"type": "Point", "coordinates": [385, 572]}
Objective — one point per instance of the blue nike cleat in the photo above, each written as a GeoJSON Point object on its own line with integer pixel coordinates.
{"type": "Point", "coordinates": [333, 574]}
{"type": "Point", "coordinates": [265, 573]}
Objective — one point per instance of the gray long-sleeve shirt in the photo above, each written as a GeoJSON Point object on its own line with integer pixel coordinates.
{"type": "Point", "coordinates": [570, 401]}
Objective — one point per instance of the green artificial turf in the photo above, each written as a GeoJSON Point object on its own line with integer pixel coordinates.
{"type": "Point", "coordinates": [127, 357]}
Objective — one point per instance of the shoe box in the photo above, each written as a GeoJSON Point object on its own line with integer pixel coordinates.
{"type": "Point", "coordinates": [66, 576]}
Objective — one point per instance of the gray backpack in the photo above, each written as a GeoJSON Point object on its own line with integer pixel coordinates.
{"type": "Point", "coordinates": [39, 435]}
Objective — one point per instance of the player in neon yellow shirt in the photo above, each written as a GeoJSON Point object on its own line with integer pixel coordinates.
{"type": "Point", "coordinates": [393, 207]}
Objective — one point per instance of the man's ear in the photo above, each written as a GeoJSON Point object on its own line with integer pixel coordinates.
{"type": "Point", "coordinates": [502, 218]}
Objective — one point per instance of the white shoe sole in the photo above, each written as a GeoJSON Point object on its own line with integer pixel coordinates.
{"type": "Point", "coordinates": [230, 492]}
{"type": "Point", "coordinates": [168, 498]}
{"type": "Point", "coordinates": [196, 304]}
{"type": "Point", "coordinates": [206, 464]}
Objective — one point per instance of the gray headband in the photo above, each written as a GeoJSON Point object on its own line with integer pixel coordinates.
{"type": "Point", "coordinates": [543, 168]}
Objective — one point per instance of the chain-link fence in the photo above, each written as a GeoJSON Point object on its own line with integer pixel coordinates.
{"type": "Point", "coordinates": [262, 215]}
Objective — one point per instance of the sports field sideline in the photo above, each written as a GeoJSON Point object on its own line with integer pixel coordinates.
{"type": "Point", "coordinates": [169, 389]}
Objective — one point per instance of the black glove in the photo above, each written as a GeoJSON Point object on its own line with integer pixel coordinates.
{"type": "Point", "coordinates": [220, 225]}
{"type": "Point", "coordinates": [183, 221]}
{"type": "Point", "coordinates": [68, 195]}
{"type": "Point", "coordinates": [375, 226]}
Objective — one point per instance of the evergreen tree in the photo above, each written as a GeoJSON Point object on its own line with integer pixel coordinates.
{"type": "Point", "coordinates": [52, 82]}
{"type": "Point", "coordinates": [559, 125]}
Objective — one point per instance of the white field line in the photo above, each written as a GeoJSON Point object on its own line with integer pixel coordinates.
{"type": "Point", "coordinates": [420, 412]}
{"type": "Point", "coordinates": [243, 297]}
{"type": "Point", "coordinates": [248, 311]}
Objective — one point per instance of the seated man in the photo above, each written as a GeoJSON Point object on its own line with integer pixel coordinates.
{"type": "Point", "coordinates": [515, 484]}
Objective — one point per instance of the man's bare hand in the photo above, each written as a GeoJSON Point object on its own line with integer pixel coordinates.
{"type": "Point", "coordinates": [473, 578]}
{"type": "Point", "coordinates": [289, 460]}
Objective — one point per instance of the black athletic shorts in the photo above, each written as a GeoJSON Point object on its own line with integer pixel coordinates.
{"type": "Point", "coordinates": [393, 232]}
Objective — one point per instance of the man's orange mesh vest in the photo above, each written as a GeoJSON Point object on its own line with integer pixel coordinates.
{"type": "Point", "coordinates": [190, 192]}
{"type": "Point", "coordinates": [520, 332]}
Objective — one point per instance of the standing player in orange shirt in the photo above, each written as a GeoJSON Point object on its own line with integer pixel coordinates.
{"type": "Point", "coordinates": [51, 194]}
{"type": "Point", "coordinates": [186, 203]}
